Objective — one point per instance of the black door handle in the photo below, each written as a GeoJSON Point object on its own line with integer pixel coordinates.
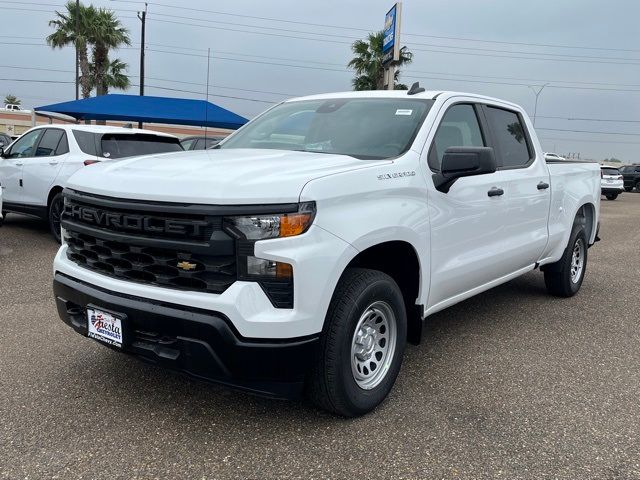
{"type": "Point", "coordinates": [543, 186]}
{"type": "Point", "coordinates": [495, 192]}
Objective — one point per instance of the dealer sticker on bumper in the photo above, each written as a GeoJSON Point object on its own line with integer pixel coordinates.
{"type": "Point", "coordinates": [105, 327]}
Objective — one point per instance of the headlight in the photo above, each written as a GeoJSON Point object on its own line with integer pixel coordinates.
{"type": "Point", "coordinates": [260, 227]}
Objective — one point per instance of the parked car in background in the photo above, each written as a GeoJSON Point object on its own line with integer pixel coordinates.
{"type": "Point", "coordinates": [35, 168]}
{"type": "Point", "coordinates": [631, 175]}
{"type": "Point", "coordinates": [304, 261]}
{"type": "Point", "coordinates": [611, 182]}
{"type": "Point", "coordinates": [553, 156]}
{"type": "Point", "coordinates": [200, 142]}
{"type": "Point", "coordinates": [13, 107]}
{"type": "Point", "coordinates": [5, 140]}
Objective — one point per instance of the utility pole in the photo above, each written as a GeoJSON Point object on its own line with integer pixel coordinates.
{"type": "Point", "coordinates": [537, 94]}
{"type": "Point", "coordinates": [206, 105]}
{"type": "Point", "coordinates": [143, 18]}
{"type": "Point", "coordinates": [77, 55]}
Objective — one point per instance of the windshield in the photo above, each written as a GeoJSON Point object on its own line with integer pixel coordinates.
{"type": "Point", "coordinates": [366, 128]}
{"type": "Point", "coordinates": [610, 171]}
{"type": "Point", "coordinates": [117, 145]}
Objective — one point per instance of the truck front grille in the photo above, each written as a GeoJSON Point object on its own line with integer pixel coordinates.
{"type": "Point", "coordinates": [180, 246]}
{"type": "Point", "coordinates": [165, 267]}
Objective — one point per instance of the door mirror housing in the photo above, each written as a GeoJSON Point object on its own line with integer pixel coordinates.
{"type": "Point", "coordinates": [460, 162]}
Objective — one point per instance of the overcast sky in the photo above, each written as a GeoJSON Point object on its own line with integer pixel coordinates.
{"type": "Point", "coordinates": [606, 67]}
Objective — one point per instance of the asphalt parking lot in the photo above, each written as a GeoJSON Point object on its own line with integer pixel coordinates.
{"type": "Point", "coordinates": [510, 384]}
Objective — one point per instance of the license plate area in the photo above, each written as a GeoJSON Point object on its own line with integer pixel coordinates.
{"type": "Point", "coordinates": [105, 326]}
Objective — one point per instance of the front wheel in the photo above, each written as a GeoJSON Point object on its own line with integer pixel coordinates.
{"type": "Point", "coordinates": [55, 213]}
{"type": "Point", "coordinates": [362, 344]}
{"type": "Point", "coordinates": [612, 196]}
{"type": "Point", "coordinates": [564, 277]}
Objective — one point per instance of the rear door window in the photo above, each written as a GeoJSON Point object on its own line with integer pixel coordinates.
{"type": "Point", "coordinates": [511, 137]}
{"type": "Point", "coordinates": [49, 143]}
{"type": "Point", "coordinates": [118, 145]}
{"type": "Point", "coordinates": [610, 171]}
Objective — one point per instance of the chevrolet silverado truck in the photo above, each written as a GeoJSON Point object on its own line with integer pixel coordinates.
{"type": "Point", "coordinates": [302, 254]}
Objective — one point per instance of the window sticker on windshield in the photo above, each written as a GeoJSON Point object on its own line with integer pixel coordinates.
{"type": "Point", "coordinates": [404, 111]}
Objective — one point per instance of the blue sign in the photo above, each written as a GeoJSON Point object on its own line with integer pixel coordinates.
{"type": "Point", "coordinates": [389, 30]}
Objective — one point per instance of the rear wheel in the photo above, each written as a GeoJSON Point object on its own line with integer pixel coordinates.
{"type": "Point", "coordinates": [362, 345]}
{"type": "Point", "coordinates": [564, 277]}
{"type": "Point", "coordinates": [612, 196]}
{"type": "Point", "coordinates": [55, 213]}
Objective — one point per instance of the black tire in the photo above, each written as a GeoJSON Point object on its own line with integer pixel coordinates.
{"type": "Point", "coordinates": [637, 186]}
{"type": "Point", "coordinates": [55, 210]}
{"type": "Point", "coordinates": [558, 276]}
{"type": "Point", "coordinates": [612, 196]}
{"type": "Point", "coordinates": [332, 385]}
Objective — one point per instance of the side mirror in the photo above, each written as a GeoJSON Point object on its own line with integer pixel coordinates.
{"type": "Point", "coordinates": [460, 162]}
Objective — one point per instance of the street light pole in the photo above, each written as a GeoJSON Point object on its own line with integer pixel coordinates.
{"type": "Point", "coordinates": [537, 94]}
{"type": "Point", "coordinates": [143, 18]}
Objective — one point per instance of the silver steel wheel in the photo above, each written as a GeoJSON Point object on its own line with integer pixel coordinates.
{"type": "Point", "coordinates": [373, 345]}
{"type": "Point", "coordinates": [577, 260]}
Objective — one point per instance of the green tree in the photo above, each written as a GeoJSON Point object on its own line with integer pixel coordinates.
{"type": "Point", "coordinates": [115, 76]}
{"type": "Point", "coordinates": [367, 63]}
{"type": "Point", "coordinates": [97, 28]}
{"type": "Point", "coordinates": [107, 34]}
{"type": "Point", "coordinates": [73, 27]}
{"type": "Point", "coordinates": [11, 99]}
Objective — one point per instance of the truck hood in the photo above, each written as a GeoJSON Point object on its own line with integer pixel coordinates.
{"type": "Point", "coordinates": [232, 176]}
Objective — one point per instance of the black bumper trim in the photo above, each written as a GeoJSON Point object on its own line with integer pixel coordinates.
{"type": "Point", "coordinates": [198, 342]}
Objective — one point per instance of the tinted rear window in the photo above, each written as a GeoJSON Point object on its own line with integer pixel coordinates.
{"type": "Point", "coordinates": [118, 145]}
{"type": "Point", "coordinates": [610, 171]}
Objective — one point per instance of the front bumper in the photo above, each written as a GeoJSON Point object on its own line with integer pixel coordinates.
{"type": "Point", "coordinates": [198, 342]}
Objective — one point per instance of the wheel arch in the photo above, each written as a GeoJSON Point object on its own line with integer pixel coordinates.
{"type": "Point", "coordinates": [586, 216]}
{"type": "Point", "coordinates": [52, 193]}
{"type": "Point", "coordinates": [400, 260]}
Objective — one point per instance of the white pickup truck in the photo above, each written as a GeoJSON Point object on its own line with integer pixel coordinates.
{"type": "Point", "coordinates": [303, 253]}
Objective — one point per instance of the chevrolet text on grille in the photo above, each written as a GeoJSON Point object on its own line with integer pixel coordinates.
{"type": "Point", "coordinates": [139, 223]}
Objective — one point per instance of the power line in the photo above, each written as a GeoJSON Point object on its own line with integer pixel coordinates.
{"type": "Point", "coordinates": [218, 22]}
{"type": "Point", "coordinates": [614, 142]}
{"type": "Point", "coordinates": [216, 57]}
{"type": "Point", "coordinates": [590, 119]}
{"type": "Point", "coordinates": [33, 81]}
{"type": "Point", "coordinates": [523, 58]}
{"type": "Point", "coordinates": [257, 33]}
{"type": "Point", "coordinates": [587, 131]}
{"type": "Point", "coordinates": [526, 53]}
{"type": "Point", "coordinates": [368, 30]}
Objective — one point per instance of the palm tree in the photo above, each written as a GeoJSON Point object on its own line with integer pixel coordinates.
{"type": "Point", "coordinates": [11, 99]}
{"type": "Point", "coordinates": [115, 77]}
{"type": "Point", "coordinates": [73, 27]}
{"type": "Point", "coordinates": [107, 33]}
{"type": "Point", "coordinates": [368, 63]}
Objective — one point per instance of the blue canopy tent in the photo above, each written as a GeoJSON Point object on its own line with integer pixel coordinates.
{"type": "Point", "coordinates": [133, 108]}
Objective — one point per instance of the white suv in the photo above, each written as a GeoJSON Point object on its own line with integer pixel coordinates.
{"type": "Point", "coordinates": [35, 168]}
{"type": "Point", "coordinates": [611, 182]}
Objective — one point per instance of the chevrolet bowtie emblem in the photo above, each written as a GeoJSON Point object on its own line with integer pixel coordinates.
{"type": "Point", "coordinates": [186, 266]}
